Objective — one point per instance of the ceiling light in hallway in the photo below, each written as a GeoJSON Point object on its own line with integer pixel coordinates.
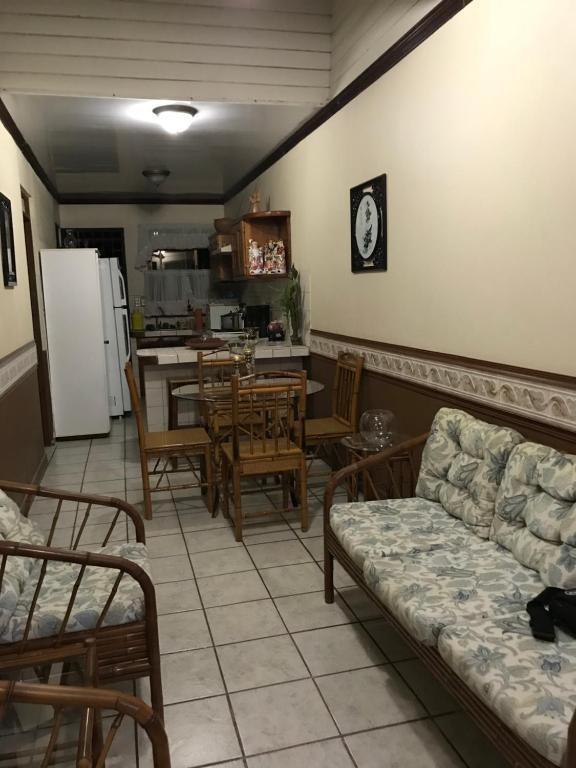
{"type": "Point", "coordinates": [156, 175]}
{"type": "Point", "coordinates": [175, 118]}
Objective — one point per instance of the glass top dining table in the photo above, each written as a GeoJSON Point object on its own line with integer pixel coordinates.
{"type": "Point", "coordinates": [192, 392]}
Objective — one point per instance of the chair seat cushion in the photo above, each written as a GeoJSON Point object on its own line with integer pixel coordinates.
{"type": "Point", "coordinates": [326, 428]}
{"type": "Point", "coordinates": [127, 606]}
{"type": "Point", "coordinates": [261, 449]}
{"type": "Point", "coordinates": [529, 684]}
{"type": "Point", "coordinates": [15, 527]}
{"type": "Point", "coordinates": [433, 590]}
{"type": "Point", "coordinates": [377, 529]}
{"type": "Point", "coordinates": [177, 438]}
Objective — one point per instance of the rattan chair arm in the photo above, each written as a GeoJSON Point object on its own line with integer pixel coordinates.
{"type": "Point", "coordinates": [338, 478]}
{"type": "Point", "coordinates": [98, 698]}
{"type": "Point", "coordinates": [83, 498]}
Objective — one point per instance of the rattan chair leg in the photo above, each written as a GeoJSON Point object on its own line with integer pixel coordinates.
{"type": "Point", "coordinates": [303, 478]}
{"type": "Point", "coordinates": [285, 491]}
{"type": "Point", "coordinates": [146, 486]}
{"type": "Point", "coordinates": [237, 503]}
{"type": "Point", "coordinates": [209, 468]}
{"type": "Point", "coordinates": [328, 575]}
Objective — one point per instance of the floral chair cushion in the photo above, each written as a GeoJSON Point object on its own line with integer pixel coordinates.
{"type": "Point", "coordinates": [536, 512]}
{"type": "Point", "coordinates": [377, 529]}
{"type": "Point", "coordinates": [433, 590]}
{"type": "Point", "coordinates": [127, 606]}
{"type": "Point", "coordinates": [462, 466]}
{"type": "Point", "coordinates": [15, 527]}
{"type": "Point", "coordinates": [531, 685]}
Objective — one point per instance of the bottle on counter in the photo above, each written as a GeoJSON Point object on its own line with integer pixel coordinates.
{"type": "Point", "coordinates": [137, 317]}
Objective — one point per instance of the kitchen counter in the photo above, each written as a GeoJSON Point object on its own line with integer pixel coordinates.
{"type": "Point", "coordinates": [265, 350]}
{"type": "Point", "coordinates": [160, 364]}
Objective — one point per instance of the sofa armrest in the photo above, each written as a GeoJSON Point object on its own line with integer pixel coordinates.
{"type": "Point", "coordinates": [45, 555]}
{"type": "Point", "coordinates": [408, 448]}
{"type": "Point", "coordinates": [83, 498]}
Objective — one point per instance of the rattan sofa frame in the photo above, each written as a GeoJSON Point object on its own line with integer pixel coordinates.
{"type": "Point", "coordinates": [124, 651]}
{"type": "Point", "coordinates": [516, 751]}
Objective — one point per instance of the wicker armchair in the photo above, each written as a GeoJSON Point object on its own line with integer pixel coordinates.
{"type": "Point", "coordinates": [63, 597]}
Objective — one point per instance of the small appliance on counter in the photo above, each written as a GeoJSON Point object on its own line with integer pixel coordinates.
{"type": "Point", "coordinates": [216, 310]}
{"type": "Point", "coordinates": [276, 331]}
{"type": "Point", "coordinates": [233, 321]}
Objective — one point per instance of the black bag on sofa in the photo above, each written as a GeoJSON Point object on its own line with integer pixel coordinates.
{"type": "Point", "coordinates": [552, 607]}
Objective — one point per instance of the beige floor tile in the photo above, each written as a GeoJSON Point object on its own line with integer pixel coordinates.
{"type": "Point", "coordinates": [164, 525]}
{"type": "Point", "coordinates": [105, 488]}
{"type": "Point", "coordinates": [244, 621]}
{"type": "Point", "coordinates": [199, 519]}
{"type": "Point", "coordinates": [434, 697]}
{"type": "Point", "coordinates": [165, 546]}
{"type": "Point", "coordinates": [389, 640]}
{"type": "Point", "coordinates": [183, 631]}
{"type": "Point", "coordinates": [176, 568]}
{"type": "Point", "coordinates": [316, 528]}
{"type": "Point", "coordinates": [231, 588]}
{"type": "Point", "coordinates": [315, 546]}
{"type": "Point", "coordinates": [267, 538]}
{"type": "Point", "coordinates": [205, 541]}
{"type": "Point", "coordinates": [337, 649]}
{"type": "Point", "coordinates": [281, 716]}
{"type": "Point", "coordinates": [309, 611]}
{"type": "Point", "coordinates": [221, 561]}
{"type": "Point", "coordinates": [177, 596]}
{"type": "Point", "coordinates": [369, 698]}
{"type": "Point", "coordinates": [469, 741]}
{"type": "Point", "coordinates": [278, 553]}
{"type": "Point", "coordinates": [411, 745]}
{"type": "Point", "coordinates": [293, 579]}
{"type": "Point", "coordinates": [323, 754]}
{"type": "Point", "coordinates": [360, 604]}
{"type": "Point", "coordinates": [190, 675]}
{"type": "Point", "coordinates": [200, 732]}
{"type": "Point", "coordinates": [261, 662]}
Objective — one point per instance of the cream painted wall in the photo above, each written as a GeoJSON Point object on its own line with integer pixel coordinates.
{"type": "Point", "coordinates": [15, 172]}
{"type": "Point", "coordinates": [129, 217]}
{"type": "Point", "coordinates": [475, 130]}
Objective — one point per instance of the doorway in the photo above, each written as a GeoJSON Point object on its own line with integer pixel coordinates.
{"type": "Point", "coordinates": [41, 354]}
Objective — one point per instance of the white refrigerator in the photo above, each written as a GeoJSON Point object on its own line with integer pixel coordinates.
{"type": "Point", "coordinates": [116, 334]}
{"type": "Point", "coordinates": [75, 333]}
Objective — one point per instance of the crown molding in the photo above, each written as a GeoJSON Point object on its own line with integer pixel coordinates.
{"type": "Point", "coordinates": [128, 198]}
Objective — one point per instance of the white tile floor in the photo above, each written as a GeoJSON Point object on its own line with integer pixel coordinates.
{"type": "Point", "coordinates": [258, 671]}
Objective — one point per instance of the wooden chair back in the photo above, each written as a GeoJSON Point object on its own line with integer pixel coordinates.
{"type": "Point", "coordinates": [268, 413]}
{"type": "Point", "coordinates": [214, 370]}
{"type": "Point", "coordinates": [346, 387]}
{"type": "Point", "coordinates": [135, 402]}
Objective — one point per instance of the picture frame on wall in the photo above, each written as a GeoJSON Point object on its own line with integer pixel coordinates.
{"type": "Point", "coordinates": [368, 226]}
{"type": "Point", "coordinates": [7, 243]}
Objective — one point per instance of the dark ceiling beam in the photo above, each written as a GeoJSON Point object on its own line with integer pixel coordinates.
{"type": "Point", "coordinates": [436, 18]}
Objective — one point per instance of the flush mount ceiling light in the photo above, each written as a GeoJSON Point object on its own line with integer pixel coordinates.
{"type": "Point", "coordinates": [156, 175]}
{"type": "Point", "coordinates": [175, 118]}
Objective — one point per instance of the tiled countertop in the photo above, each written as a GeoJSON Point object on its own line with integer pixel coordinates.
{"type": "Point", "coordinates": [264, 350]}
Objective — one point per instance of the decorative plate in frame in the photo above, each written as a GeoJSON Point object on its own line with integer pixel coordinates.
{"type": "Point", "coordinates": [7, 243]}
{"type": "Point", "coordinates": [368, 225]}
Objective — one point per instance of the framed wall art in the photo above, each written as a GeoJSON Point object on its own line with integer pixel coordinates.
{"type": "Point", "coordinates": [368, 225]}
{"type": "Point", "coordinates": [7, 243]}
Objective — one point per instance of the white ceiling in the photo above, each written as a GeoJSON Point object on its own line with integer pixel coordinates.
{"type": "Point", "coordinates": [80, 79]}
{"type": "Point", "coordinates": [103, 145]}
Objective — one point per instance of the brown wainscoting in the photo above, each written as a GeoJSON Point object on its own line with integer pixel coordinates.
{"type": "Point", "coordinates": [415, 405]}
{"type": "Point", "coordinates": [22, 456]}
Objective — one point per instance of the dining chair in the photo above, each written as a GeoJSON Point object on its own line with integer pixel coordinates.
{"type": "Point", "coordinates": [165, 449]}
{"type": "Point", "coordinates": [267, 439]}
{"type": "Point", "coordinates": [343, 420]}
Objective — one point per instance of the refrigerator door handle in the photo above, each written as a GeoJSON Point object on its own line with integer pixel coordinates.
{"type": "Point", "coordinates": [126, 334]}
{"type": "Point", "coordinates": [122, 286]}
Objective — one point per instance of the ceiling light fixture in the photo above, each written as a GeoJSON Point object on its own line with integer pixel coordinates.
{"type": "Point", "coordinates": [156, 175]}
{"type": "Point", "coordinates": [175, 118]}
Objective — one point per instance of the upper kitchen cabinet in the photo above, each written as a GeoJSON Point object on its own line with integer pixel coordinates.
{"type": "Point", "coordinates": [255, 247]}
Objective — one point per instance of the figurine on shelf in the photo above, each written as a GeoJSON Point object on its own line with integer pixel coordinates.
{"type": "Point", "coordinates": [255, 202]}
{"type": "Point", "coordinates": [280, 258]}
{"type": "Point", "coordinates": [269, 257]}
{"type": "Point", "coordinates": [255, 258]}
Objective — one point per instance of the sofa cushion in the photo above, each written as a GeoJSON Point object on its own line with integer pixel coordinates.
{"type": "Point", "coordinates": [462, 466]}
{"type": "Point", "coordinates": [15, 527]}
{"type": "Point", "coordinates": [536, 512]}
{"type": "Point", "coordinates": [433, 590]}
{"type": "Point", "coordinates": [127, 606]}
{"type": "Point", "coordinates": [378, 529]}
{"type": "Point", "coordinates": [529, 684]}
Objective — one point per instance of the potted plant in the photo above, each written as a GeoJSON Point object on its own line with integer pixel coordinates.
{"type": "Point", "coordinates": [292, 305]}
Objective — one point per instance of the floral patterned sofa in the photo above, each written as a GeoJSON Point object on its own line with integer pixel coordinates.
{"type": "Point", "coordinates": [492, 522]}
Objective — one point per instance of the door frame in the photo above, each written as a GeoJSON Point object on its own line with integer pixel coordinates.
{"type": "Point", "coordinates": [42, 371]}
